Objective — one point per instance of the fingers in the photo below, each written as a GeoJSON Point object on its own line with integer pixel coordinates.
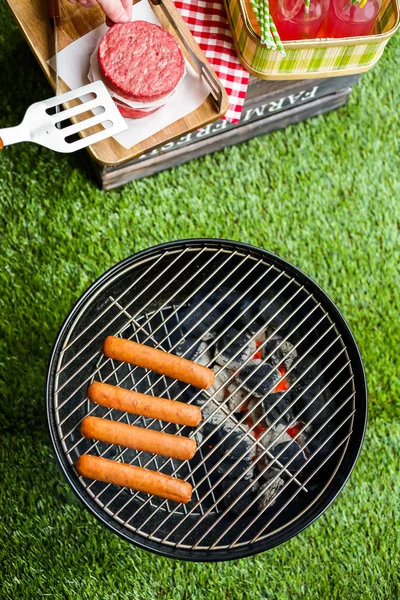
{"type": "Point", "coordinates": [85, 3]}
{"type": "Point", "coordinates": [117, 11]}
{"type": "Point", "coordinates": [114, 10]}
{"type": "Point", "coordinates": [127, 4]}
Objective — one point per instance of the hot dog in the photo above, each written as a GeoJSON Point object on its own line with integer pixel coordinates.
{"type": "Point", "coordinates": [138, 438]}
{"type": "Point", "coordinates": [159, 361]}
{"type": "Point", "coordinates": [135, 478]}
{"type": "Point", "coordinates": [142, 404]}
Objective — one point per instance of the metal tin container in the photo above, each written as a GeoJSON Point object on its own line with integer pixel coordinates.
{"type": "Point", "coordinates": [306, 59]}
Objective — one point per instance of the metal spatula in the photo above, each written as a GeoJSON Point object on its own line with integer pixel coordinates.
{"type": "Point", "coordinates": [42, 127]}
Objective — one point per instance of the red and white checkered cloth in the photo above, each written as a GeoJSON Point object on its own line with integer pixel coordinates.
{"type": "Point", "coordinates": [209, 26]}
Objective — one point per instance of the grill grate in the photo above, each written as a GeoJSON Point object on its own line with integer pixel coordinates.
{"type": "Point", "coordinates": [141, 459]}
{"type": "Point", "coordinates": [173, 300]}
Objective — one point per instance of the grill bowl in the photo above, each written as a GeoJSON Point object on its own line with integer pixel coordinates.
{"type": "Point", "coordinates": [152, 287]}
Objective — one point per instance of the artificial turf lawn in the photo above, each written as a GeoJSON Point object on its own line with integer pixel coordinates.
{"type": "Point", "coordinates": [324, 195]}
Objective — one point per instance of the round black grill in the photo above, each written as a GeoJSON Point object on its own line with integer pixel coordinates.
{"type": "Point", "coordinates": [282, 425]}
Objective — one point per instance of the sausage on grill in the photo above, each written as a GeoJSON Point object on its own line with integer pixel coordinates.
{"type": "Point", "coordinates": [138, 438]}
{"type": "Point", "coordinates": [136, 478]}
{"type": "Point", "coordinates": [152, 407]}
{"type": "Point", "coordinates": [159, 361]}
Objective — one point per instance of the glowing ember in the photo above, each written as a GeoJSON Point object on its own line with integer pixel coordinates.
{"type": "Point", "coordinates": [295, 430]}
{"type": "Point", "coordinates": [258, 354]}
{"type": "Point", "coordinates": [283, 385]}
{"type": "Point", "coordinates": [258, 430]}
{"type": "Point", "coordinates": [244, 406]}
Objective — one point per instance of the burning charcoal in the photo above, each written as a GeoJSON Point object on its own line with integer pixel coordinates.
{"type": "Point", "coordinates": [200, 400]}
{"type": "Point", "coordinates": [201, 355]}
{"type": "Point", "coordinates": [261, 337]}
{"type": "Point", "coordinates": [213, 416]}
{"type": "Point", "coordinates": [221, 377]}
{"type": "Point", "coordinates": [243, 347]}
{"type": "Point", "coordinates": [232, 473]}
{"type": "Point", "coordinates": [270, 489]}
{"type": "Point", "coordinates": [241, 481]}
{"type": "Point", "coordinates": [275, 406]}
{"type": "Point", "coordinates": [234, 443]}
{"type": "Point", "coordinates": [240, 474]}
{"type": "Point", "coordinates": [205, 359]}
{"type": "Point", "coordinates": [229, 305]}
{"type": "Point", "coordinates": [236, 398]}
{"type": "Point", "coordinates": [284, 355]}
{"type": "Point", "coordinates": [298, 433]}
{"type": "Point", "coordinates": [269, 438]}
{"type": "Point", "coordinates": [256, 412]}
{"type": "Point", "coordinates": [224, 438]}
{"type": "Point", "coordinates": [289, 354]}
{"type": "Point", "coordinates": [231, 445]}
{"type": "Point", "coordinates": [211, 413]}
{"type": "Point", "coordinates": [198, 351]}
{"type": "Point", "coordinates": [270, 351]}
{"type": "Point", "coordinates": [206, 301]}
{"type": "Point", "coordinates": [289, 451]}
{"type": "Point", "coordinates": [317, 399]}
{"type": "Point", "coordinates": [258, 378]}
{"type": "Point", "coordinates": [196, 322]}
{"type": "Point", "coordinates": [277, 433]}
{"type": "Point", "coordinates": [267, 309]}
{"type": "Point", "coordinates": [301, 439]}
{"type": "Point", "coordinates": [199, 437]}
{"type": "Point", "coordinates": [182, 349]}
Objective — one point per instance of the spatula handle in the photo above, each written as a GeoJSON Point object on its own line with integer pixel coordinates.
{"type": "Point", "coordinates": [54, 10]}
{"type": "Point", "coordinates": [13, 135]}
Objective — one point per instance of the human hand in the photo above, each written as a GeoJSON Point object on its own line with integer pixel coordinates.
{"type": "Point", "coordinates": [117, 11]}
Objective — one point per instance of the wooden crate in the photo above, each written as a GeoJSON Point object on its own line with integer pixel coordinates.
{"type": "Point", "coordinates": [269, 105]}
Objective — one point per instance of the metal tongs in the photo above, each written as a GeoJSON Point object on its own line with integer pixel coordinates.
{"type": "Point", "coordinates": [201, 68]}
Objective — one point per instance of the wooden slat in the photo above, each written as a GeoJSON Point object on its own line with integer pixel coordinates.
{"type": "Point", "coordinates": [263, 99]}
{"type": "Point", "coordinates": [32, 17]}
{"type": "Point", "coordinates": [110, 179]}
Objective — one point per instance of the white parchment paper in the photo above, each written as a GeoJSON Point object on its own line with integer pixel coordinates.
{"type": "Point", "coordinates": [73, 68]}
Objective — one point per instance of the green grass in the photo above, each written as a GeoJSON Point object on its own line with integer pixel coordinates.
{"type": "Point", "coordinates": [324, 195]}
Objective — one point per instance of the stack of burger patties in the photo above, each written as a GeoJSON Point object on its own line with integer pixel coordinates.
{"type": "Point", "coordinates": [141, 64]}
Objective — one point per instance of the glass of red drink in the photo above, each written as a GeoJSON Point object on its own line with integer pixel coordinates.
{"type": "Point", "coordinates": [294, 21]}
{"type": "Point", "coordinates": [349, 20]}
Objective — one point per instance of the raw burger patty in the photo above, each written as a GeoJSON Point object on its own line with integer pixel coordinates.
{"type": "Point", "coordinates": [140, 61]}
{"type": "Point", "coordinates": [133, 113]}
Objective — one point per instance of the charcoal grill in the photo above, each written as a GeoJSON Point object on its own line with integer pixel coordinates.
{"type": "Point", "coordinates": [247, 496]}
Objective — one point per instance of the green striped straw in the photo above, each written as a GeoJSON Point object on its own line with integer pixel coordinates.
{"type": "Point", "coordinates": [269, 34]}
{"type": "Point", "coordinates": [266, 37]}
{"type": "Point", "coordinates": [257, 14]}
{"type": "Point", "coordinates": [307, 6]}
{"type": "Point", "coordinates": [272, 27]}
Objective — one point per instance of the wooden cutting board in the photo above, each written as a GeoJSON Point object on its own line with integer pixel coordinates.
{"type": "Point", "coordinates": [31, 16]}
